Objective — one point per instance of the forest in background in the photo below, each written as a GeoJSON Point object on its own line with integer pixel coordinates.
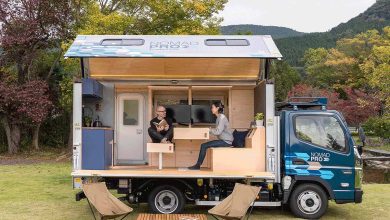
{"type": "Point", "coordinates": [36, 82]}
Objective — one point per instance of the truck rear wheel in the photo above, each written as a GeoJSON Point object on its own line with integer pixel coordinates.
{"type": "Point", "coordinates": [166, 199]}
{"type": "Point", "coordinates": [308, 201]}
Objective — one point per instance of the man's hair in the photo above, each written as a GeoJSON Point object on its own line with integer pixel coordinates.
{"type": "Point", "coordinates": [159, 106]}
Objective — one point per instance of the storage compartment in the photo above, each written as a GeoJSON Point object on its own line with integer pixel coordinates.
{"type": "Point", "coordinates": [92, 89]}
{"type": "Point", "coordinates": [97, 148]}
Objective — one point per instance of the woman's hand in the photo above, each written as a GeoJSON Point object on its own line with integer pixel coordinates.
{"type": "Point", "coordinates": [166, 128]}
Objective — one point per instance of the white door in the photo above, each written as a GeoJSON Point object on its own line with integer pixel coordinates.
{"type": "Point", "coordinates": [130, 128]}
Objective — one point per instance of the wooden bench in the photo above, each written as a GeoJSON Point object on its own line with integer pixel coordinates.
{"type": "Point", "coordinates": [249, 158]}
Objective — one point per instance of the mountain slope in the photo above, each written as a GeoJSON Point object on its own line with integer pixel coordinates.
{"type": "Point", "coordinates": [375, 17]}
{"type": "Point", "coordinates": [274, 31]}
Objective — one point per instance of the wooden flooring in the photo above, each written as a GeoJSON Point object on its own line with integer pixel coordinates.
{"type": "Point", "coordinates": [146, 171]}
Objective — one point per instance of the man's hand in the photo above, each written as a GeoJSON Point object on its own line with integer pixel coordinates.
{"type": "Point", "coordinates": [166, 128]}
{"type": "Point", "coordinates": [159, 128]}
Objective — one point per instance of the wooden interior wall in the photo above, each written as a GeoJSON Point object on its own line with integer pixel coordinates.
{"type": "Point", "coordinates": [259, 97]}
{"type": "Point", "coordinates": [239, 102]}
{"type": "Point", "coordinates": [241, 108]}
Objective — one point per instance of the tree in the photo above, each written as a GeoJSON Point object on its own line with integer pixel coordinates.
{"type": "Point", "coordinates": [149, 17]}
{"type": "Point", "coordinates": [22, 105]}
{"type": "Point", "coordinates": [360, 62]}
{"type": "Point", "coordinates": [28, 28]}
{"type": "Point", "coordinates": [377, 67]}
{"type": "Point", "coordinates": [357, 108]}
{"type": "Point", "coordinates": [285, 78]}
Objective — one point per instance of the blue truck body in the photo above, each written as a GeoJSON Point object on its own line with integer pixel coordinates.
{"type": "Point", "coordinates": [334, 166]}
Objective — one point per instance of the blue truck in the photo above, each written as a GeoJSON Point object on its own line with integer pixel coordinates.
{"type": "Point", "coordinates": [302, 155]}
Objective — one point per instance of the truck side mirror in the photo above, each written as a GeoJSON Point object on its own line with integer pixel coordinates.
{"type": "Point", "coordinates": [360, 149]}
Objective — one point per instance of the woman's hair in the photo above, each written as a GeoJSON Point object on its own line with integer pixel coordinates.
{"type": "Point", "coordinates": [219, 105]}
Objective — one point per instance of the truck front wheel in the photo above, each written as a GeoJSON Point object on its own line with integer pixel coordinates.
{"type": "Point", "coordinates": [166, 199]}
{"type": "Point", "coordinates": [308, 201]}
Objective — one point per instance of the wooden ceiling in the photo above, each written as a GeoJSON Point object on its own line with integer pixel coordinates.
{"type": "Point", "coordinates": [174, 68]}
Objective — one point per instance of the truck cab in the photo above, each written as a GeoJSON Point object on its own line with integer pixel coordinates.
{"type": "Point", "coordinates": [320, 158]}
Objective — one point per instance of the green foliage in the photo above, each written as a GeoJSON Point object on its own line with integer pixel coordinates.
{"type": "Point", "coordinates": [259, 116]}
{"type": "Point", "coordinates": [360, 62]}
{"type": "Point", "coordinates": [55, 131]}
{"type": "Point", "coordinates": [285, 79]}
{"type": "Point", "coordinates": [249, 29]}
{"type": "Point", "coordinates": [150, 17]}
{"type": "Point", "coordinates": [375, 17]}
{"type": "Point", "coordinates": [378, 126]}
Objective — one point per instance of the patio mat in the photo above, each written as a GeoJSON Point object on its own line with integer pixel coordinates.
{"type": "Point", "coordinates": [145, 216]}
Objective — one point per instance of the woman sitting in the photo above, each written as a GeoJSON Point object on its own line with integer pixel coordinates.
{"type": "Point", "coordinates": [222, 131]}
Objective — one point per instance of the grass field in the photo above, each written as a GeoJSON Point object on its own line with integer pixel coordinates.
{"type": "Point", "coordinates": [44, 191]}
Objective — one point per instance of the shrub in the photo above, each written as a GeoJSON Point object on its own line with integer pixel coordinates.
{"type": "Point", "coordinates": [379, 126]}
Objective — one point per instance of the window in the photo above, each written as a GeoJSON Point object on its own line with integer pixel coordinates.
{"type": "Point", "coordinates": [123, 42]}
{"type": "Point", "coordinates": [130, 112]}
{"type": "Point", "coordinates": [227, 42]}
{"type": "Point", "coordinates": [324, 131]}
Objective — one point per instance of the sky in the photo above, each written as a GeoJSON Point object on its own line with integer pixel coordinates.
{"type": "Point", "coordinates": [300, 15]}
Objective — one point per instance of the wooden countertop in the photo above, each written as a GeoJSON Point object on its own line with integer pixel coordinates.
{"type": "Point", "coordinates": [98, 128]}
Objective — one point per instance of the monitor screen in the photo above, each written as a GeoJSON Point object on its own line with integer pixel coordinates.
{"type": "Point", "coordinates": [179, 113]}
{"type": "Point", "coordinates": [202, 114]}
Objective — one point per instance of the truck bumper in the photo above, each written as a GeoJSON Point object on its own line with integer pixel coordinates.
{"type": "Point", "coordinates": [358, 195]}
{"type": "Point", "coordinates": [358, 198]}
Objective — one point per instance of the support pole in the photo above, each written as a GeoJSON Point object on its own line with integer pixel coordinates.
{"type": "Point", "coordinates": [160, 160]}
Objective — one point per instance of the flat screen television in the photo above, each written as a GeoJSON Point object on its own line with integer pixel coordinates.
{"type": "Point", "coordinates": [179, 113]}
{"type": "Point", "coordinates": [202, 114]}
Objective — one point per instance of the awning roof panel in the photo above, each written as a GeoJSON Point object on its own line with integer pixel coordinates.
{"type": "Point", "coordinates": [258, 46]}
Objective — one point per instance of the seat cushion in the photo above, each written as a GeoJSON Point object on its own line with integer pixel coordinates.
{"type": "Point", "coordinates": [239, 138]}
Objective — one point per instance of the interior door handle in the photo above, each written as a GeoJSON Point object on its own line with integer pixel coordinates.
{"type": "Point", "coordinates": [298, 161]}
{"type": "Point", "coordinates": [139, 131]}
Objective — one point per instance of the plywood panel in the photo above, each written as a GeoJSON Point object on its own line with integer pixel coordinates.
{"type": "Point", "coordinates": [241, 108]}
{"type": "Point", "coordinates": [137, 171]}
{"type": "Point", "coordinates": [184, 145]}
{"type": "Point", "coordinates": [250, 158]}
{"type": "Point", "coordinates": [159, 147]}
{"type": "Point", "coordinates": [191, 133]}
{"type": "Point", "coordinates": [168, 160]}
{"type": "Point", "coordinates": [189, 158]}
{"type": "Point", "coordinates": [259, 98]}
{"type": "Point", "coordinates": [175, 68]}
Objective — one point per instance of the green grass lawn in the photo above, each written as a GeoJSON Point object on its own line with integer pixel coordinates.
{"type": "Point", "coordinates": [44, 191]}
{"type": "Point", "coordinates": [372, 143]}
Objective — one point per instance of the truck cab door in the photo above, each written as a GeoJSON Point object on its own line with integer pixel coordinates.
{"type": "Point", "coordinates": [320, 150]}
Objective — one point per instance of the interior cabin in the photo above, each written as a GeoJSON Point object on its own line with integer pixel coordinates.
{"type": "Point", "coordinates": [124, 79]}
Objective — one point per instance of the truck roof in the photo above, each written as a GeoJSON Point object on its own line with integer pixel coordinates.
{"type": "Point", "coordinates": [175, 46]}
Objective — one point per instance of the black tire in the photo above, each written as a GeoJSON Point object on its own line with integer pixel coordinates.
{"type": "Point", "coordinates": [308, 201]}
{"type": "Point", "coordinates": [166, 199]}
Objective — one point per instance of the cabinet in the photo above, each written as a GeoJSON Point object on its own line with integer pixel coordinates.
{"type": "Point", "coordinates": [97, 148]}
{"type": "Point", "coordinates": [92, 88]}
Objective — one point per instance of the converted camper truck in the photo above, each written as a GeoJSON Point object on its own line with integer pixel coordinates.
{"type": "Point", "coordinates": [303, 155]}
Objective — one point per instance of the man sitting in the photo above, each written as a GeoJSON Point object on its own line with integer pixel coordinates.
{"type": "Point", "coordinates": [161, 129]}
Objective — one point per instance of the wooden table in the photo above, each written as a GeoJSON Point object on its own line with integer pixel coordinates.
{"type": "Point", "coordinates": [145, 216]}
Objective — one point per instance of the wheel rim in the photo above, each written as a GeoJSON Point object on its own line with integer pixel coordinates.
{"type": "Point", "coordinates": [166, 201]}
{"type": "Point", "coordinates": [309, 202]}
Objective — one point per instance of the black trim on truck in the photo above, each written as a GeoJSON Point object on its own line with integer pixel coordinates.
{"type": "Point", "coordinates": [358, 198]}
